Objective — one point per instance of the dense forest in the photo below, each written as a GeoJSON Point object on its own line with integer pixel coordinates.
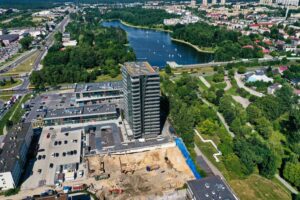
{"type": "Point", "coordinates": [139, 16]}
{"type": "Point", "coordinates": [99, 52]}
{"type": "Point", "coordinates": [229, 44]}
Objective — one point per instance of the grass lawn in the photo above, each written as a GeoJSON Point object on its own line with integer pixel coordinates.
{"type": "Point", "coordinates": [15, 113]}
{"type": "Point", "coordinates": [9, 85]}
{"type": "Point", "coordinates": [5, 97]}
{"type": "Point", "coordinates": [257, 187]}
{"type": "Point", "coordinates": [103, 78]}
{"type": "Point", "coordinates": [200, 70]}
{"type": "Point", "coordinates": [25, 66]}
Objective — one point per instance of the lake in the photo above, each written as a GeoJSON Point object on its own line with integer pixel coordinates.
{"type": "Point", "coordinates": [157, 48]}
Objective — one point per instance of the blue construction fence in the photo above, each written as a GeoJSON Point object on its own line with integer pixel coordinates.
{"type": "Point", "coordinates": [188, 159]}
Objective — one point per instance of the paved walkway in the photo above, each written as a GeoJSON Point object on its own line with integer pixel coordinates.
{"type": "Point", "coordinates": [215, 155]}
{"type": "Point", "coordinates": [286, 184]}
{"type": "Point", "coordinates": [212, 167]}
{"type": "Point", "coordinates": [241, 84]}
{"type": "Point", "coordinates": [204, 81]}
{"type": "Point", "coordinates": [228, 83]}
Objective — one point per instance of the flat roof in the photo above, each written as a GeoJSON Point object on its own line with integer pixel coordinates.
{"type": "Point", "coordinates": [90, 87]}
{"type": "Point", "coordinates": [139, 68]}
{"type": "Point", "coordinates": [212, 187]}
{"type": "Point", "coordinates": [13, 142]}
{"type": "Point", "coordinates": [80, 111]}
{"type": "Point", "coordinates": [10, 37]}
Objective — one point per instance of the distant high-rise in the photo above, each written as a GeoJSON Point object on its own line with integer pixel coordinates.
{"type": "Point", "coordinates": [204, 2]}
{"type": "Point", "coordinates": [141, 88]}
{"type": "Point", "coordinates": [213, 2]}
{"type": "Point", "coordinates": [288, 2]}
{"type": "Point", "coordinates": [223, 2]}
{"type": "Point", "coordinates": [193, 3]}
{"type": "Point", "coordinates": [266, 2]}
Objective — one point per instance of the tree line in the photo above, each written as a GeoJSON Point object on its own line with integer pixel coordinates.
{"type": "Point", "coordinates": [139, 16]}
{"type": "Point", "coordinates": [99, 52]}
{"type": "Point", "coordinates": [228, 44]}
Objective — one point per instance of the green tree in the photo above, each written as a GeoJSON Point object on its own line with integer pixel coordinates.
{"type": "Point", "coordinates": [241, 70]}
{"type": "Point", "coordinates": [291, 173]}
{"type": "Point", "coordinates": [26, 42]}
{"type": "Point", "coordinates": [168, 69]}
{"type": "Point", "coordinates": [208, 127]}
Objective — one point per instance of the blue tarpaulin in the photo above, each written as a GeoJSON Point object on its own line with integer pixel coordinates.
{"type": "Point", "coordinates": [187, 157]}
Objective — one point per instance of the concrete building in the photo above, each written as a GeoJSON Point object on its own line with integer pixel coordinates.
{"type": "Point", "coordinates": [141, 88]}
{"type": "Point", "coordinates": [193, 3]}
{"type": "Point", "coordinates": [13, 152]}
{"type": "Point", "coordinates": [223, 2]}
{"type": "Point", "coordinates": [92, 93]}
{"type": "Point", "coordinates": [74, 115]}
{"type": "Point", "coordinates": [288, 2]}
{"type": "Point", "coordinates": [9, 38]}
{"type": "Point", "coordinates": [212, 187]}
{"type": "Point", "coordinates": [213, 2]}
{"type": "Point", "coordinates": [204, 3]}
{"type": "Point", "coordinates": [266, 2]}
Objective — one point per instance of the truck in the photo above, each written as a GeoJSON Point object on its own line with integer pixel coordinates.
{"type": "Point", "coordinates": [102, 176]}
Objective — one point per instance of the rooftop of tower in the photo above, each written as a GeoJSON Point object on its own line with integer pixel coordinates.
{"type": "Point", "coordinates": [139, 68]}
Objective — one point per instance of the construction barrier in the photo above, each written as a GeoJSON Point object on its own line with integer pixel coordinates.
{"type": "Point", "coordinates": [188, 159]}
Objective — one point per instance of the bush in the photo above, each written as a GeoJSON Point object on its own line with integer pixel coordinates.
{"type": "Point", "coordinates": [11, 192]}
{"type": "Point", "coordinates": [253, 98]}
{"type": "Point", "coordinates": [241, 70]}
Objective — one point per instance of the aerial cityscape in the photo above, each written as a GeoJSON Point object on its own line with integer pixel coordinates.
{"type": "Point", "coordinates": [146, 100]}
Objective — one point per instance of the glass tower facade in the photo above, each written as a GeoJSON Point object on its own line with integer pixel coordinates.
{"type": "Point", "coordinates": [141, 88]}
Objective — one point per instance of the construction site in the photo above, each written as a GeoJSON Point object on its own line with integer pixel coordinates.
{"type": "Point", "coordinates": [138, 175]}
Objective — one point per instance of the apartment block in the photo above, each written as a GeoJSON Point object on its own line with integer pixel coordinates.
{"type": "Point", "coordinates": [141, 88]}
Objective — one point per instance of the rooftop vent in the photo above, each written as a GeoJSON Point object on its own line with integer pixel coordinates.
{"type": "Point", "coordinates": [207, 185]}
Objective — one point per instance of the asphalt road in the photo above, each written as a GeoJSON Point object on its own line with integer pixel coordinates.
{"type": "Point", "coordinates": [18, 61]}
{"type": "Point", "coordinates": [42, 52]}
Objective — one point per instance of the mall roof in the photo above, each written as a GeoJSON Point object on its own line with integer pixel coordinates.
{"type": "Point", "coordinates": [80, 111]}
{"type": "Point", "coordinates": [101, 86]}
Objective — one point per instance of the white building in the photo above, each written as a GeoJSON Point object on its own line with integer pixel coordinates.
{"type": "Point", "coordinates": [288, 2]}
{"type": "Point", "coordinates": [266, 2]}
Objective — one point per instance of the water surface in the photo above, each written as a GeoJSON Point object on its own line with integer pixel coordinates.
{"type": "Point", "coordinates": [157, 48]}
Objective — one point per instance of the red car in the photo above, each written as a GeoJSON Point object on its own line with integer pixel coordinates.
{"type": "Point", "coordinates": [48, 135]}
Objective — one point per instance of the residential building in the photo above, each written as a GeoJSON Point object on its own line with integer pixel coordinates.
{"type": "Point", "coordinates": [213, 2]}
{"type": "Point", "coordinates": [266, 2]}
{"type": "Point", "coordinates": [204, 3]}
{"type": "Point", "coordinates": [273, 88]}
{"type": "Point", "coordinates": [212, 187]}
{"type": "Point", "coordinates": [223, 2]}
{"type": "Point", "coordinates": [288, 2]}
{"type": "Point", "coordinates": [13, 155]}
{"type": "Point", "coordinates": [141, 88]}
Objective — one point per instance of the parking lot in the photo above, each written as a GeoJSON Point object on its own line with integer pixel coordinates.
{"type": "Point", "coordinates": [58, 155]}
{"type": "Point", "coordinates": [50, 101]}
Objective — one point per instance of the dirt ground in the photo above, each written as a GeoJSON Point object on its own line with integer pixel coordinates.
{"type": "Point", "coordinates": [170, 175]}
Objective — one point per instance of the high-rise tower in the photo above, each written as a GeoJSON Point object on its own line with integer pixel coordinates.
{"type": "Point", "coordinates": [141, 88]}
